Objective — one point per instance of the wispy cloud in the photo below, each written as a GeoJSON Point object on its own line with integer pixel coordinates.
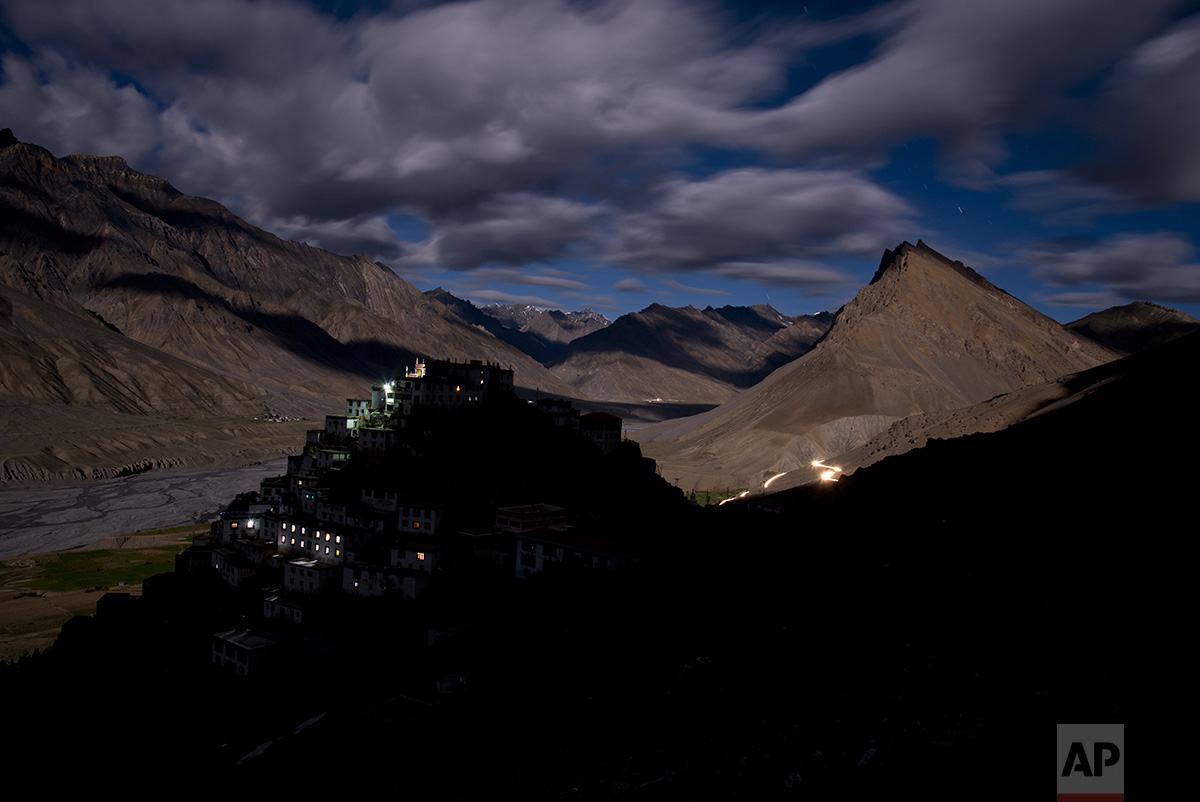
{"type": "Point", "coordinates": [675, 285]}
{"type": "Point", "coordinates": [1150, 267]}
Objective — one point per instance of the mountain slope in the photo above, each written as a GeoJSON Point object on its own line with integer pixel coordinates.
{"type": "Point", "coordinates": [926, 334]}
{"type": "Point", "coordinates": [1111, 453]}
{"type": "Point", "coordinates": [123, 295]}
{"type": "Point", "coordinates": [685, 354]}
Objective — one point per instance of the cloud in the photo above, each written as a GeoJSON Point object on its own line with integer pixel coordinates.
{"type": "Point", "coordinates": [305, 115]}
{"type": "Point", "coordinates": [1062, 198]}
{"type": "Point", "coordinates": [630, 285]}
{"type": "Point", "coordinates": [1149, 267]}
{"type": "Point", "coordinates": [675, 285]}
{"type": "Point", "coordinates": [539, 278]}
{"type": "Point", "coordinates": [961, 71]}
{"type": "Point", "coordinates": [370, 235]}
{"type": "Point", "coordinates": [1150, 119]}
{"type": "Point", "coordinates": [753, 214]}
{"type": "Point", "coordinates": [510, 229]}
{"type": "Point", "coordinates": [1083, 300]}
{"type": "Point", "coordinates": [812, 278]}
{"type": "Point", "coordinates": [528, 131]}
{"type": "Point", "coordinates": [77, 109]}
{"type": "Point", "coordinates": [501, 297]}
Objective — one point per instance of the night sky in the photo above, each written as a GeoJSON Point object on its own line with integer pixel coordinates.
{"type": "Point", "coordinates": [617, 154]}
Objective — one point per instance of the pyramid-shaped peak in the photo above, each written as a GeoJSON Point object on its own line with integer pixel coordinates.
{"type": "Point", "coordinates": [906, 255]}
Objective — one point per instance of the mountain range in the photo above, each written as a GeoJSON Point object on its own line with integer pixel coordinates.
{"type": "Point", "coordinates": [144, 328]}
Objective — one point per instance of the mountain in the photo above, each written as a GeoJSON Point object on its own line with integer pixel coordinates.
{"type": "Point", "coordinates": [540, 334]}
{"type": "Point", "coordinates": [667, 357]}
{"type": "Point", "coordinates": [685, 354]}
{"type": "Point", "coordinates": [1135, 326]}
{"type": "Point", "coordinates": [511, 316]}
{"type": "Point", "coordinates": [927, 334]}
{"type": "Point", "coordinates": [1105, 450]}
{"type": "Point", "coordinates": [553, 326]}
{"type": "Point", "coordinates": [121, 296]}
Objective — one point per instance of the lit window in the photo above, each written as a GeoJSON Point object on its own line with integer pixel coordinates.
{"type": "Point", "coordinates": [282, 539]}
{"type": "Point", "coordinates": [293, 527]}
{"type": "Point", "coordinates": [337, 539]}
{"type": "Point", "coordinates": [416, 524]}
{"type": "Point", "coordinates": [293, 541]}
{"type": "Point", "coordinates": [304, 530]}
{"type": "Point", "coordinates": [302, 544]}
{"type": "Point", "coordinates": [326, 549]}
{"type": "Point", "coordinates": [420, 555]}
{"type": "Point", "coordinates": [326, 536]}
{"type": "Point", "coordinates": [233, 525]}
{"type": "Point", "coordinates": [337, 552]}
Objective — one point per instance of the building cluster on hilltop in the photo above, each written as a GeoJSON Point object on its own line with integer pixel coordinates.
{"type": "Point", "coordinates": [312, 532]}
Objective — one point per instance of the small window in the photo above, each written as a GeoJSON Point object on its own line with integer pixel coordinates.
{"type": "Point", "coordinates": [420, 555]}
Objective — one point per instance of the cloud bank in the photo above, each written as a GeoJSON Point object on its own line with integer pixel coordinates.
{"type": "Point", "coordinates": [659, 136]}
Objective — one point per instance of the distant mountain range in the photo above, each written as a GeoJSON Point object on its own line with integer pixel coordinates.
{"type": "Point", "coordinates": [541, 334]}
{"type": "Point", "coordinates": [686, 355]}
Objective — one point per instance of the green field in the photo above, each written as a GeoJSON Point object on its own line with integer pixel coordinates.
{"type": "Point", "coordinates": [102, 569]}
{"type": "Point", "coordinates": [707, 497]}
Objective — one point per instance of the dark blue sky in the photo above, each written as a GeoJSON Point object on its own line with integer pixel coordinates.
{"type": "Point", "coordinates": [615, 154]}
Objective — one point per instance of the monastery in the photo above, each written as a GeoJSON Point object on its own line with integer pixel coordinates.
{"type": "Point", "coordinates": [313, 531]}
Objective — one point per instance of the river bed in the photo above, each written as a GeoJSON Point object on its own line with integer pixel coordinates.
{"type": "Point", "coordinates": [61, 518]}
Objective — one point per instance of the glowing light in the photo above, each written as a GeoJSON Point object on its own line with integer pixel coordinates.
{"type": "Point", "coordinates": [743, 494]}
{"type": "Point", "coordinates": [830, 474]}
{"type": "Point", "coordinates": [767, 483]}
